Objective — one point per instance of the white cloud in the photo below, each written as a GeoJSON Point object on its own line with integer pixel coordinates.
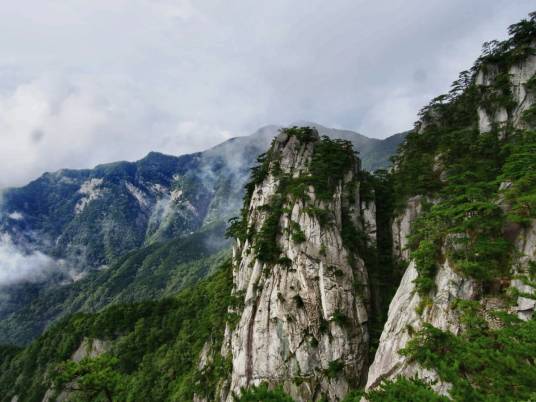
{"type": "Point", "coordinates": [83, 82]}
{"type": "Point", "coordinates": [18, 266]}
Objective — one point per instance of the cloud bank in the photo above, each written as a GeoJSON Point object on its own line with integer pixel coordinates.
{"type": "Point", "coordinates": [83, 82]}
{"type": "Point", "coordinates": [17, 265]}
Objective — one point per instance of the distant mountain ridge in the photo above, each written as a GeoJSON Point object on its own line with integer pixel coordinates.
{"type": "Point", "coordinates": [69, 213]}
{"type": "Point", "coordinates": [86, 220]}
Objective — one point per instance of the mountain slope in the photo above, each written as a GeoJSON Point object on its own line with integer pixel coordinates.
{"type": "Point", "coordinates": [465, 185]}
{"type": "Point", "coordinates": [82, 221]}
{"type": "Point", "coordinates": [149, 273]}
{"type": "Point", "coordinates": [460, 327]}
{"type": "Point", "coordinates": [302, 284]}
{"type": "Point", "coordinates": [146, 351]}
{"type": "Point", "coordinates": [93, 216]}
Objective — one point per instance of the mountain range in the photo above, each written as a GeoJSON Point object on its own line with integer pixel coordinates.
{"type": "Point", "coordinates": [330, 283]}
{"type": "Point", "coordinates": [89, 225]}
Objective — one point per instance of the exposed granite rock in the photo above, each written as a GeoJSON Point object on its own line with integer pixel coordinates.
{"type": "Point", "coordinates": [519, 75]}
{"type": "Point", "coordinates": [368, 211]}
{"type": "Point", "coordinates": [403, 320]}
{"type": "Point", "coordinates": [402, 227]}
{"type": "Point", "coordinates": [304, 321]}
{"type": "Point", "coordinates": [89, 348]}
{"type": "Point", "coordinates": [526, 247]}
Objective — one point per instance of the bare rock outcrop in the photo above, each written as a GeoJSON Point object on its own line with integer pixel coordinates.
{"type": "Point", "coordinates": [304, 320]}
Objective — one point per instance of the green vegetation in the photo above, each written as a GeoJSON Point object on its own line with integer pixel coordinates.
{"type": "Point", "coordinates": [91, 379]}
{"type": "Point", "coordinates": [325, 217]}
{"type": "Point", "coordinates": [297, 234]}
{"type": "Point", "coordinates": [474, 186]}
{"type": "Point", "coordinates": [401, 390]}
{"type": "Point", "coordinates": [477, 185]}
{"type": "Point", "coordinates": [450, 161]}
{"type": "Point", "coordinates": [335, 368]}
{"type": "Point", "coordinates": [155, 346]}
{"type": "Point", "coordinates": [339, 318]}
{"type": "Point", "coordinates": [519, 171]}
{"type": "Point", "coordinates": [331, 161]}
{"type": "Point", "coordinates": [299, 301]}
{"type": "Point", "coordinates": [148, 273]}
{"type": "Point", "coordinates": [482, 364]}
{"type": "Point", "coordinates": [263, 393]}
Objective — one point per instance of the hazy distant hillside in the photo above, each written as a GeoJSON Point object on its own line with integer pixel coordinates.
{"type": "Point", "coordinates": [69, 224]}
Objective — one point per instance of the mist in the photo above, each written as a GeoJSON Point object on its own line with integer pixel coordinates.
{"type": "Point", "coordinates": [83, 83]}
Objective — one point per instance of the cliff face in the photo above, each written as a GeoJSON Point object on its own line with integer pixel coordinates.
{"type": "Point", "coordinates": [519, 73]}
{"type": "Point", "coordinates": [304, 318]}
{"type": "Point", "coordinates": [503, 99]}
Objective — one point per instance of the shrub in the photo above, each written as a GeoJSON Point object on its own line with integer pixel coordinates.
{"type": "Point", "coordinates": [335, 367]}
{"type": "Point", "coordinates": [262, 393]}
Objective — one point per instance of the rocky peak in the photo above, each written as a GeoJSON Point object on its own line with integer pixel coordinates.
{"type": "Point", "coordinates": [500, 97]}
{"type": "Point", "coordinates": [303, 320]}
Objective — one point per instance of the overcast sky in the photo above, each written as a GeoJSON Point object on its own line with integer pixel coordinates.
{"type": "Point", "coordinates": [84, 82]}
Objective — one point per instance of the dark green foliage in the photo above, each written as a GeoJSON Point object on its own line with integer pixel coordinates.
{"type": "Point", "coordinates": [237, 228]}
{"type": "Point", "coordinates": [91, 379]}
{"type": "Point", "coordinates": [303, 134]}
{"type": "Point", "coordinates": [265, 244]}
{"type": "Point", "coordinates": [482, 364]}
{"type": "Point", "coordinates": [285, 262]}
{"type": "Point", "coordinates": [466, 218]}
{"type": "Point", "coordinates": [516, 48]}
{"type": "Point", "coordinates": [401, 390]}
{"type": "Point", "coordinates": [297, 234]}
{"type": "Point", "coordinates": [149, 273]}
{"type": "Point", "coordinates": [332, 159]}
{"type": "Point", "coordinates": [426, 258]}
{"type": "Point", "coordinates": [498, 95]}
{"type": "Point", "coordinates": [450, 161]}
{"type": "Point", "coordinates": [339, 318]}
{"type": "Point", "coordinates": [334, 369]}
{"type": "Point", "coordinates": [519, 169]}
{"type": "Point", "coordinates": [263, 393]}
{"type": "Point", "coordinates": [156, 345]}
{"type": "Point", "coordinates": [384, 271]}
{"type": "Point", "coordinates": [324, 216]}
{"type": "Point", "coordinates": [529, 116]}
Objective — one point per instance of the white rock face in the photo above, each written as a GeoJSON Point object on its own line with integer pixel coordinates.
{"type": "Point", "coordinates": [91, 191]}
{"type": "Point", "coordinates": [526, 247]}
{"type": "Point", "coordinates": [519, 75]}
{"type": "Point", "coordinates": [16, 216]}
{"type": "Point", "coordinates": [305, 316]}
{"type": "Point", "coordinates": [88, 348]}
{"type": "Point", "coordinates": [402, 317]}
{"type": "Point", "coordinates": [402, 227]}
{"type": "Point", "coordinates": [403, 320]}
{"type": "Point", "coordinates": [138, 194]}
{"type": "Point", "coordinates": [368, 211]}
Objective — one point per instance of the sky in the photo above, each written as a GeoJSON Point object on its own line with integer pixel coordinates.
{"type": "Point", "coordinates": [87, 82]}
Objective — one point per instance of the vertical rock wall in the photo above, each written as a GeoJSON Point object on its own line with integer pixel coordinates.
{"type": "Point", "coordinates": [304, 320]}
